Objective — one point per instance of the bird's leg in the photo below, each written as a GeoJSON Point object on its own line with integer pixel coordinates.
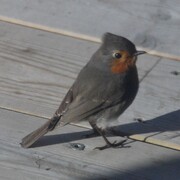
{"type": "Point", "coordinates": [94, 127]}
{"type": "Point", "coordinates": [108, 143]}
{"type": "Point", "coordinates": [94, 133]}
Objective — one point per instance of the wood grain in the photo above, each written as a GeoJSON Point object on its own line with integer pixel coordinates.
{"type": "Point", "coordinates": [53, 158]}
{"type": "Point", "coordinates": [37, 68]}
{"type": "Point", "coordinates": [153, 24]}
{"type": "Point", "coordinates": [157, 105]}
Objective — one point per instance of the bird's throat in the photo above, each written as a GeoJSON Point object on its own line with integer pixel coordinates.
{"type": "Point", "coordinates": [121, 67]}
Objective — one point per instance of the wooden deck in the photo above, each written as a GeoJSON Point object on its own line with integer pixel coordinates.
{"type": "Point", "coordinates": [43, 46]}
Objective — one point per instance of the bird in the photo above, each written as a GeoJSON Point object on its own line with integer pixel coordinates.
{"type": "Point", "coordinates": [105, 87]}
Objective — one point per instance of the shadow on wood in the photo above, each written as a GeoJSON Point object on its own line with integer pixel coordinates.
{"type": "Point", "coordinates": [167, 122]}
{"type": "Point", "coordinates": [160, 124]}
{"type": "Point", "coordinates": [165, 170]}
{"type": "Point", "coordinates": [61, 138]}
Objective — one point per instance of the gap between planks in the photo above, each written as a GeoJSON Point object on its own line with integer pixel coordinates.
{"type": "Point", "coordinates": [135, 137]}
{"type": "Point", "coordinates": [78, 36]}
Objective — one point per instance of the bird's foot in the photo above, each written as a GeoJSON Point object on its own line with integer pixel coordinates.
{"type": "Point", "coordinates": [112, 145]}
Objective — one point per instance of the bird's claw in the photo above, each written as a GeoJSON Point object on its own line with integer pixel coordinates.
{"type": "Point", "coordinates": [112, 145]}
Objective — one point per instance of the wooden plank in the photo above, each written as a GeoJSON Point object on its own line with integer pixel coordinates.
{"type": "Point", "coordinates": [153, 24]}
{"type": "Point", "coordinates": [11, 172]}
{"type": "Point", "coordinates": [37, 68]}
{"type": "Point", "coordinates": [157, 104]}
{"type": "Point", "coordinates": [35, 77]}
{"type": "Point", "coordinates": [52, 157]}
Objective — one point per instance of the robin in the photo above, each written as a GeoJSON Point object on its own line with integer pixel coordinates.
{"type": "Point", "coordinates": [103, 90]}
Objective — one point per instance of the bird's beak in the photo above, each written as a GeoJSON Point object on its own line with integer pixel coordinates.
{"type": "Point", "coordinates": [139, 53]}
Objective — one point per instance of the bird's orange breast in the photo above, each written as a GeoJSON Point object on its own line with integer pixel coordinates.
{"type": "Point", "coordinates": [120, 66]}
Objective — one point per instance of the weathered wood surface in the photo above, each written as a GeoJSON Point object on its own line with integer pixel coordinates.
{"type": "Point", "coordinates": [53, 158]}
{"type": "Point", "coordinates": [36, 70]}
{"type": "Point", "coordinates": [157, 104]}
{"type": "Point", "coordinates": [153, 24]}
{"type": "Point", "coordinates": [35, 78]}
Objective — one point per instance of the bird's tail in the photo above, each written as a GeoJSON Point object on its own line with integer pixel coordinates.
{"type": "Point", "coordinates": [31, 138]}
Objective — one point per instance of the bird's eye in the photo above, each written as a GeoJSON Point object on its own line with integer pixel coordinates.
{"type": "Point", "coordinates": [117, 55]}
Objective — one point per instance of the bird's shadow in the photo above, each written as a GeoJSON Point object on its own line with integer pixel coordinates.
{"type": "Point", "coordinates": [166, 122]}
{"type": "Point", "coordinates": [160, 124]}
{"type": "Point", "coordinates": [61, 138]}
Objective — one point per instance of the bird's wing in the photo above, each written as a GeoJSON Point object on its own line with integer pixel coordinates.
{"type": "Point", "coordinates": [56, 119]}
{"type": "Point", "coordinates": [91, 94]}
{"type": "Point", "coordinates": [83, 107]}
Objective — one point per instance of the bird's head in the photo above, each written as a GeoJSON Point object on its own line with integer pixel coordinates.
{"type": "Point", "coordinates": [120, 53]}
